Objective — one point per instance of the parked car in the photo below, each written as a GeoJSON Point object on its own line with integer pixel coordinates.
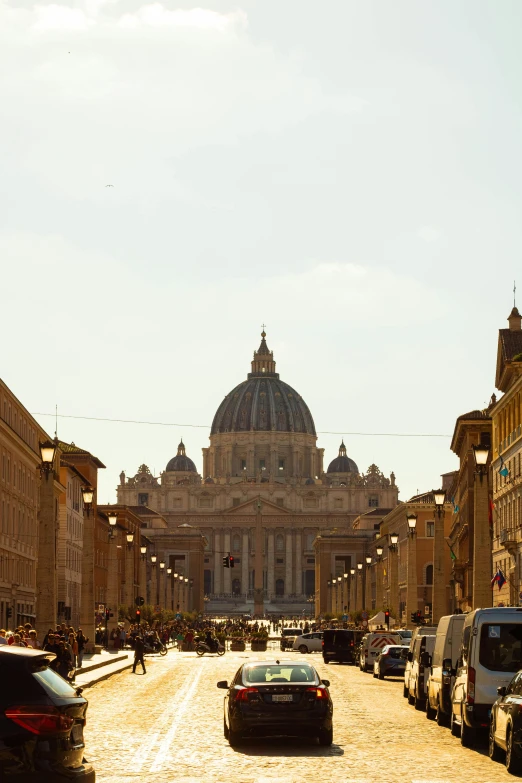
{"type": "Point", "coordinates": [341, 645]}
{"type": "Point", "coordinates": [391, 661]}
{"type": "Point", "coordinates": [309, 642]}
{"type": "Point", "coordinates": [41, 721]}
{"type": "Point", "coordinates": [427, 630]}
{"type": "Point", "coordinates": [420, 669]}
{"type": "Point", "coordinates": [372, 644]}
{"type": "Point", "coordinates": [405, 635]}
{"type": "Point", "coordinates": [443, 662]}
{"type": "Point", "coordinates": [491, 652]}
{"type": "Point", "coordinates": [506, 725]}
{"type": "Point", "coordinates": [277, 698]}
{"type": "Point", "coordinates": [288, 637]}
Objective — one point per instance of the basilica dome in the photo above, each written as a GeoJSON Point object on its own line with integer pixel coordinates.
{"type": "Point", "coordinates": [181, 462]}
{"type": "Point", "coordinates": [342, 463]}
{"type": "Point", "coordinates": [263, 402]}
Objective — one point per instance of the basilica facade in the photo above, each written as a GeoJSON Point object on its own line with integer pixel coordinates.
{"type": "Point", "coordinates": [262, 463]}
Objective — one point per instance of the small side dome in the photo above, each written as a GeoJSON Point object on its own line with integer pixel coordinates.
{"type": "Point", "coordinates": [209, 480]}
{"type": "Point", "coordinates": [309, 481]}
{"type": "Point", "coordinates": [342, 463]}
{"type": "Point", "coordinates": [181, 463]}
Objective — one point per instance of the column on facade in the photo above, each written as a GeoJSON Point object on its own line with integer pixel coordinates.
{"type": "Point", "coordinates": [112, 587]}
{"type": "Point", "coordinates": [270, 564]}
{"type": "Point", "coordinates": [298, 563]}
{"type": "Point", "coordinates": [87, 597]}
{"type": "Point", "coordinates": [128, 585]}
{"type": "Point", "coordinates": [368, 588]}
{"type": "Point", "coordinates": [227, 588]}
{"type": "Point", "coordinates": [393, 592]}
{"type": "Point", "coordinates": [273, 462]}
{"type": "Point", "coordinates": [379, 600]}
{"type": "Point", "coordinates": [169, 592]}
{"type": "Point", "coordinates": [439, 602]}
{"type": "Point", "coordinates": [295, 462]}
{"type": "Point", "coordinates": [143, 579]}
{"type": "Point", "coordinates": [245, 560]}
{"type": "Point", "coordinates": [154, 585]}
{"type": "Point", "coordinates": [359, 576]}
{"type": "Point", "coordinates": [218, 564]}
{"type": "Point", "coordinates": [288, 571]}
{"type": "Point", "coordinates": [312, 463]}
{"type": "Point", "coordinates": [251, 468]}
{"type": "Point", "coordinates": [206, 471]}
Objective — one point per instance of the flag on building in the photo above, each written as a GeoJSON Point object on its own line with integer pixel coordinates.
{"type": "Point", "coordinates": [503, 471]}
{"type": "Point", "coordinates": [499, 578]}
{"type": "Point", "coordinates": [490, 512]}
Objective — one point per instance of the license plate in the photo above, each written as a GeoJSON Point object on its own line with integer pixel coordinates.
{"type": "Point", "coordinates": [281, 697]}
{"type": "Point", "coordinates": [77, 734]}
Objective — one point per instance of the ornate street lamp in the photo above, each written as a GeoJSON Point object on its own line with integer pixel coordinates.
{"type": "Point", "coordinates": [379, 550]}
{"type": "Point", "coordinates": [153, 559]}
{"type": "Point", "coordinates": [439, 497]}
{"type": "Point", "coordinates": [88, 495]}
{"type": "Point", "coordinates": [359, 566]}
{"type": "Point", "coordinates": [368, 560]}
{"type": "Point", "coordinates": [130, 540]}
{"type": "Point", "coordinates": [480, 454]}
{"type": "Point", "coordinates": [47, 454]}
{"type": "Point", "coordinates": [113, 519]}
{"type": "Point", "coordinates": [162, 566]}
{"type": "Point", "coordinates": [352, 572]}
{"type": "Point", "coordinates": [143, 552]}
{"type": "Point", "coordinates": [169, 571]}
{"type": "Point", "coordinates": [412, 524]}
{"type": "Point", "coordinates": [394, 540]}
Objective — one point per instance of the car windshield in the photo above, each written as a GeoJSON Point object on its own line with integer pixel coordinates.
{"type": "Point", "coordinates": [285, 672]}
{"type": "Point", "coordinates": [501, 646]}
{"type": "Point", "coordinates": [292, 632]}
{"type": "Point", "coordinates": [394, 652]}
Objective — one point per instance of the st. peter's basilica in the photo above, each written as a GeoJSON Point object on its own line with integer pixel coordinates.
{"type": "Point", "coordinates": [263, 449]}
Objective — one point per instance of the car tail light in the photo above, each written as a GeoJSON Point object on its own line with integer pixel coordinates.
{"type": "Point", "coordinates": [243, 693]}
{"type": "Point", "coordinates": [40, 719]}
{"type": "Point", "coordinates": [320, 693]}
{"type": "Point", "coordinates": [322, 643]}
{"type": "Point", "coordinates": [470, 698]}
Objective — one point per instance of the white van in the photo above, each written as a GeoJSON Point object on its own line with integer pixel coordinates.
{"type": "Point", "coordinates": [491, 652]}
{"type": "Point", "coordinates": [372, 645]}
{"type": "Point", "coordinates": [443, 662]}
{"type": "Point", "coordinates": [425, 630]}
{"type": "Point", "coordinates": [420, 669]}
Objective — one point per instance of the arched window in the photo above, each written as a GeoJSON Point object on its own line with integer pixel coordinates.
{"type": "Point", "coordinates": [236, 543]}
{"type": "Point", "coordinates": [280, 586]}
{"type": "Point", "coordinates": [429, 574]}
{"type": "Point", "coordinates": [236, 587]}
{"type": "Point", "coordinates": [280, 543]}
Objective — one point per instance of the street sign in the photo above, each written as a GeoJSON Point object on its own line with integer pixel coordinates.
{"type": "Point", "coordinates": [364, 615]}
{"type": "Point", "coordinates": [345, 618]}
{"type": "Point", "coordinates": [178, 616]}
{"type": "Point", "coordinates": [365, 623]}
{"type": "Point", "coordinates": [139, 600]}
{"type": "Point", "coordinates": [101, 608]}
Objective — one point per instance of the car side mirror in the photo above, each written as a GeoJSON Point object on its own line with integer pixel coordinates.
{"type": "Point", "coordinates": [410, 657]}
{"type": "Point", "coordinates": [326, 682]}
{"type": "Point", "coordinates": [426, 658]}
{"type": "Point", "coordinates": [501, 690]}
{"type": "Point", "coordinates": [223, 684]}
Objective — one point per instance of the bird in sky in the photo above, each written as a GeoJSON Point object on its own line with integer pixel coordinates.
{"type": "Point", "coordinates": [109, 186]}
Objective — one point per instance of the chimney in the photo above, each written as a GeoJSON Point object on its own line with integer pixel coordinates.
{"type": "Point", "coordinates": [515, 321]}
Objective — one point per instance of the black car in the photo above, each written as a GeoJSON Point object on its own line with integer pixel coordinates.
{"type": "Point", "coordinates": [268, 699]}
{"type": "Point", "coordinates": [341, 645]}
{"type": "Point", "coordinates": [41, 721]}
{"type": "Point", "coordinates": [505, 727]}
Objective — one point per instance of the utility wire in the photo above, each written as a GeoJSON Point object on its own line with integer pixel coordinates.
{"type": "Point", "coordinates": [206, 427]}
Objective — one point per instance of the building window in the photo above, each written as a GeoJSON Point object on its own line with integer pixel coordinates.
{"type": "Point", "coordinates": [235, 501]}
{"type": "Point", "coordinates": [243, 464]}
{"type": "Point", "coordinates": [430, 529]}
{"type": "Point", "coordinates": [279, 561]}
{"type": "Point", "coordinates": [281, 465]}
{"type": "Point", "coordinates": [310, 561]}
{"type": "Point", "coordinates": [280, 543]}
{"type": "Point", "coordinates": [338, 503]}
{"type": "Point", "coordinates": [373, 501]}
{"type": "Point", "coordinates": [236, 541]}
{"type": "Point", "coordinates": [143, 499]}
{"type": "Point", "coordinates": [262, 464]}
{"type": "Point", "coordinates": [280, 586]}
{"type": "Point", "coordinates": [280, 501]}
{"type": "Point", "coordinates": [429, 574]}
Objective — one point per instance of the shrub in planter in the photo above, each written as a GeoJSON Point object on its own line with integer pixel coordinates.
{"type": "Point", "coordinates": [237, 645]}
{"type": "Point", "coordinates": [259, 641]}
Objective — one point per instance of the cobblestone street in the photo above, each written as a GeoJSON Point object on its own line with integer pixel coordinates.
{"type": "Point", "coordinates": [168, 726]}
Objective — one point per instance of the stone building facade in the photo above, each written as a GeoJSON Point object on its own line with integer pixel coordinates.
{"type": "Point", "coordinates": [263, 448]}
{"type": "Point", "coordinates": [19, 503]}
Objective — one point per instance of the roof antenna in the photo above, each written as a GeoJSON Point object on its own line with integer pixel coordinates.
{"type": "Point", "coordinates": [514, 293]}
{"type": "Point", "coordinates": [56, 421]}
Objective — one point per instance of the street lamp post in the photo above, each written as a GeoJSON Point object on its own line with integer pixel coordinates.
{"type": "Point", "coordinates": [129, 568]}
{"type": "Point", "coordinates": [393, 567]}
{"type": "Point", "coordinates": [169, 603]}
{"type": "Point", "coordinates": [46, 571]}
{"type": "Point", "coordinates": [329, 597]}
{"type": "Point", "coordinates": [351, 591]}
{"type": "Point", "coordinates": [412, 580]}
{"type": "Point", "coordinates": [111, 606]}
{"type": "Point", "coordinates": [438, 601]}
{"type": "Point", "coordinates": [154, 579]}
{"type": "Point", "coordinates": [162, 598]}
{"type": "Point", "coordinates": [143, 573]}
{"type": "Point", "coordinates": [378, 579]}
{"type": "Point", "coordinates": [359, 589]}
{"type": "Point", "coordinates": [482, 561]}
{"type": "Point", "coordinates": [368, 584]}
{"type": "Point", "coordinates": [345, 593]}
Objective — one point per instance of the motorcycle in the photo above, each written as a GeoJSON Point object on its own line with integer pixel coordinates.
{"type": "Point", "coordinates": [203, 647]}
{"type": "Point", "coordinates": [155, 646]}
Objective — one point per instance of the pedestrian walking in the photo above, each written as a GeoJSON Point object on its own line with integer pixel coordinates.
{"type": "Point", "coordinates": [139, 650]}
{"type": "Point", "coordinates": [82, 641]}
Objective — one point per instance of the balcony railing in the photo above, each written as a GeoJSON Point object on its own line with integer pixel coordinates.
{"type": "Point", "coordinates": [507, 535]}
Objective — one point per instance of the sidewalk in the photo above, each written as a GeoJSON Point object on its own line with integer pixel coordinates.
{"type": "Point", "coordinates": [101, 666]}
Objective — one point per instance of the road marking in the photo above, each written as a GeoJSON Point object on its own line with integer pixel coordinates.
{"type": "Point", "coordinates": [166, 743]}
{"type": "Point", "coordinates": [146, 748]}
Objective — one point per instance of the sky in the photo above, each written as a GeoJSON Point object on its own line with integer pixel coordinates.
{"type": "Point", "coordinates": [347, 173]}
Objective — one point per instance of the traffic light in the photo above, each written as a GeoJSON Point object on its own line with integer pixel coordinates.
{"type": "Point", "coordinates": [9, 612]}
{"type": "Point", "coordinates": [230, 561]}
{"type": "Point", "coordinates": [225, 562]}
{"type": "Point", "coordinates": [138, 616]}
{"type": "Point", "coordinates": [387, 617]}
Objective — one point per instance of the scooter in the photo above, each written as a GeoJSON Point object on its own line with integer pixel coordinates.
{"type": "Point", "coordinates": [203, 647]}
{"type": "Point", "coordinates": [156, 646]}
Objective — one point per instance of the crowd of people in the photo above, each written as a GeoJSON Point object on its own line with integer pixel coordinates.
{"type": "Point", "coordinates": [65, 642]}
